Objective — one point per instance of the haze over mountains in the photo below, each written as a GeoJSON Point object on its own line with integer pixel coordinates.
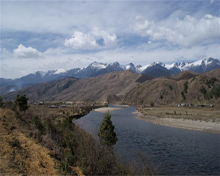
{"type": "Point", "coordinates": [153, 70]}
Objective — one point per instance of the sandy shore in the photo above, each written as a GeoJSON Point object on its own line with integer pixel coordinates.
{"type": "Point", "coordinates": [106, 109]}
{"type": "Point", "coordinates": [209, 127]}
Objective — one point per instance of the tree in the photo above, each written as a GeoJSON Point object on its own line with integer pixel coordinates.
{"type": "Point", "coordinates": [1, 103]}
{"type": "Point", "coordinates": [106, 133]}
{"type": "Point", "coordinates": [21, 102]}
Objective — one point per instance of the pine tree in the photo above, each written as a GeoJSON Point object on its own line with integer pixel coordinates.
{"type": "Point", "coordinates": [1, 102]}
{"type": "Point", "coordinates": [106, 133]}
{"type": "Point", "coordinates": [21, 102]}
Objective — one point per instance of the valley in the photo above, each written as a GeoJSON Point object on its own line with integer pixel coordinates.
{"type": "Point", "coordinates": [109, 88]}
{"type": "Point", "coordinates": [63, 112]}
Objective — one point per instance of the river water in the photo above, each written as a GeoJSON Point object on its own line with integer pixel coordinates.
{"type": "Point", "coordinates": [175, 151]}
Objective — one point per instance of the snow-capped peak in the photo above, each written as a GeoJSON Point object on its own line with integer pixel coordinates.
{"type": "Point", "coordinates": [60, 70]}
{"type": "Point", "coordinates": [129, 66]}
{"type": "Point", "coordinates": [169, 66]}
{"type": "Point", "coordinates": [98, 65]}
{"type": "Point", "coordinates": [140, 68]}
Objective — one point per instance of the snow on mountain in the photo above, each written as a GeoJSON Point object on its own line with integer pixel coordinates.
{"type": "Point", "coordinates": [140, 69]}
{"type": "Point", "coordinates": [61, 70]}
{"type": "Point", "coordinates": [169, 66]}
{"type": "Point", "coordinates": [129, 66]}
{"type": "Point", "coordinates": [98, 66]}
{"type": "Point", "coordinates": [154, 69]}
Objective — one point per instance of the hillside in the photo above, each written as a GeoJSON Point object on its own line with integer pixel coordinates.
{"type": "Point", "coordinates": [184, 75]}
{"type": "Point", "coordinates": [130, 88]}
{"type": "Point", "coordinates": [111, 87]}
{"type": "Point", "coordinates": [199, 89]}
{"type": "Point", "coordinates": [19, 153]}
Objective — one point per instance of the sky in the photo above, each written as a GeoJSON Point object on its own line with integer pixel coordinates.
{"type": "Point", "coordinates": [48, 35]}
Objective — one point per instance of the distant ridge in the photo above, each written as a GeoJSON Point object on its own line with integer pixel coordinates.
{"type": "Point", "coordinates": [184, 75]}
{"type": "Point", "coordinates": [130, 88]}
{"type": "Point", "coordinates": [110, 87]}
{"type": "Point", "coordinates": [154, 70]}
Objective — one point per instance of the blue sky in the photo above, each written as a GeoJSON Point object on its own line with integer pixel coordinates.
{"type": "Point", "coordinates": [48, 35]}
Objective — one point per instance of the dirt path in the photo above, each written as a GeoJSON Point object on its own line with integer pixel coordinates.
{"type": "Point", "coordinates": [20, 154]}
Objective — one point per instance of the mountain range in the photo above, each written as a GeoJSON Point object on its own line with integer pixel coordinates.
{"type": "Point", "coordinates": [154, 70]}
{"type": "Point", "coordinates": [130, 88]}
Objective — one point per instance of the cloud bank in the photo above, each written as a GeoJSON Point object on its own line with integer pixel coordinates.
{"type": "Point", "coordinates": [185, 33]}
{"type": "Point", "coordinates": [95, 39]}
{"type": "Point", "coordinates": [27, 53]}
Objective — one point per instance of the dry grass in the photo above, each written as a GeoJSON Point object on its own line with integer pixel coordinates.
{"type": "Point", "coordinates": [44, 141]}
{"type": "Point", "coordinates": [199, 119]}
{"type": "Point", "coordinates": [19, 154]}
{"type": "Point", "coordinates": [192, 113]}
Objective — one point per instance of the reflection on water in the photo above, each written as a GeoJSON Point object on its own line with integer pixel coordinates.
{"type": "Point", "coordinates": [176, 151]}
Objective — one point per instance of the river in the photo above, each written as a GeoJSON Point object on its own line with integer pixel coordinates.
{"type": "Point", "coordinates": [175, 151]}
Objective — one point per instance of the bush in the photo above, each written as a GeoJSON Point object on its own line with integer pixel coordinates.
{"type": "Point", "coordinates": [10, 104]}
{"type": "Point", "coordinates": [185, 85]}
{"type": "Point", "coordinates": [39, 125]}
{"type": "Point", "coordinates": [14, 143]}
{"type": "Point", "coordinates": [183, 95]}
{"type": "Point", "coordinates": [211, 82]}
{"type": "Point", "coordinates": [171, 88]}
{"type": "Point", "coordinates": [152, 104]}
{"type": "Point", "coordinates": [203, 90]}
{"type": "Point", "coordinates": [216, 91]}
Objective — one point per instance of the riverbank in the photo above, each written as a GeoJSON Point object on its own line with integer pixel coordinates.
{"type": "Point", "coordinates": [203, 126]}
{"type": "Point", "coordinates": [106, 109]}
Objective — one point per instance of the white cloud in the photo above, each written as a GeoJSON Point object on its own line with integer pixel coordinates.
{"type": "Point", "coordinates": [29, 52]}
{"type": "Point", "coordinates": [4, 53]}
{"type": "Point", "coordinates": [95, 39]}
{"type": "Point", "coordinates": [186, 32]}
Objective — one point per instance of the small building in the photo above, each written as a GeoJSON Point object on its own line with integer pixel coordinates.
{"type": "Point", "coordinates": [69, 103]}
{"type": "Point", "coordinates": [182, 104]}
{"type": "Point", "coordinates": [53, 106]}
{"type": "Point", "coordinates": [41, 103]}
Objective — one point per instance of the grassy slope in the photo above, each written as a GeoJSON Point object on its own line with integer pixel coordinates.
{"type": "Point", "coordinates": [20, 154]}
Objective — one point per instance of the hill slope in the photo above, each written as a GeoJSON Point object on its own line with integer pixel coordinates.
{"type": "Point", "coordinates": [20, 154]}
{"type": "Point", "coordinates": [111, 87]}
{"type": "Point", "coordinates": [196, 89]}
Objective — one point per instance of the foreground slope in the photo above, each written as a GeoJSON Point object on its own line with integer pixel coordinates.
{"type": "Point", "coordinates": [20, 154]}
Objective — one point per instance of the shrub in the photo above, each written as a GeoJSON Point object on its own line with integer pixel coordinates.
{"type": "Point", "coordinates": [152, 104]}
{"type": "Point", "coordinates": [39, 125]}
{"type": "Point", "coordinates": [203, 90]}
{"type": "Point", "coordinates": [14, 143]}
{"type": "Point", "coordinates": [216, 91]}
{"type": "Point", "coordinates": [185, 85]}
{"type": "Point", "coordinates": [211, 81]}
{"type": "Point", "coordinates": [183, 95]}
{"type": "Point", "coordinates": [171, 88]}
